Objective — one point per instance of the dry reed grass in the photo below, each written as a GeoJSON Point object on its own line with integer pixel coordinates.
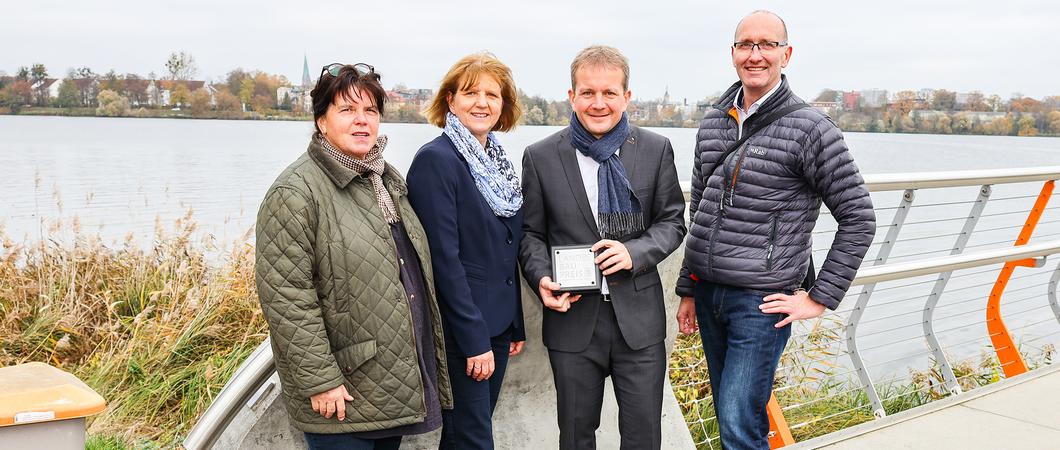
{"type": "Point", "coordinates": [157, 331]}
{"type": "Point", "coordinates": [828, 400]}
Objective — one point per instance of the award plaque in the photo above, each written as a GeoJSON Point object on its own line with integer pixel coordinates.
{"type": "Point", "coordinates": [573, 267]}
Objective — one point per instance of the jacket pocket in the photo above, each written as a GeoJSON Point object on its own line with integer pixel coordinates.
{"type": "Point", "coordinates": [646, 279]}
{"type": "Point", "coordinates": [771, 244]}
{"type": "Point", "coordinates": [352, 357]}
{"type": "Point", "coordinates": [474, 271]}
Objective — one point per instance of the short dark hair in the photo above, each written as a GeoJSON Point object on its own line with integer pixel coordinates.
{"type": "Point", "coordinates": [328, 87]}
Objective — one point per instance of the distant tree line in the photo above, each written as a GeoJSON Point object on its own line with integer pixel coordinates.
{"type": "Point", "coordinates": [257, 94]}
{"type": "Point", "coordinates": [130, 94]}
{"type": "Point", "coordinates": [942, 113]}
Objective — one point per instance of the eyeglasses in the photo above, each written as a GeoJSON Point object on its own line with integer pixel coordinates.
{"type": "Point", "coordinates": [361, 69]}
{"type": "Point", "coordinates": [766, 46]}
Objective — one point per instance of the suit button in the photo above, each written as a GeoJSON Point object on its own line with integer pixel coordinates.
{"type": "Point", "coordinates": [509, 281]}
{"type": "Point", "coordinates": [509, 239]}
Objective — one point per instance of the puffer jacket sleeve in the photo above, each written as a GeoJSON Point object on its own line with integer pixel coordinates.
{"type": "Point", "coordinates": [685, 283]}
{"type": "Point", "coordinates": [830, 170]}
{"type": "Point", "coordinates": [284, 272]}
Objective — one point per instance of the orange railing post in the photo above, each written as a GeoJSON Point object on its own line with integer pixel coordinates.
{"type": "Point", "coordinates": [1008, 354]}
{"type": "Point", "coordinates": [779, 434]}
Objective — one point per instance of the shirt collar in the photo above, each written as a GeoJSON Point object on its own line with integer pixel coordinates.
{"type": "Point", "coordinates": [754, 106]}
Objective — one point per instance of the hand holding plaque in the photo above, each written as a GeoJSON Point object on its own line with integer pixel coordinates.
{"type": "Point", "coordinates": [574, 268]}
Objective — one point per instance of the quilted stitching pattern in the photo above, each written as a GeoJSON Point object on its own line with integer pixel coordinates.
{"type": "Point", "coordinates": [327, 276]}
{"type": "Point", "coordinates": [760, 239]}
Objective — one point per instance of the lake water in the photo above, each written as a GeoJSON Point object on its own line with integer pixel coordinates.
{"type": "Point", "coordinates": [122, 176]}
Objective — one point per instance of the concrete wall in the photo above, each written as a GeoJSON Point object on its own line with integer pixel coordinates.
{"type": "Point", "coordinates": [526, 412]}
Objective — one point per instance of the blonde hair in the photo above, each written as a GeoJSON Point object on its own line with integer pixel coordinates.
{"type": "Point", "coordinates": [465, 74]}
{"type": "Point", "coordinates": [601, 56]}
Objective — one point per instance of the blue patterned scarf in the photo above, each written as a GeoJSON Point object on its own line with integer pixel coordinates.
{"type": "Point", "coordinates": [618, 210]}
{"type": "Point", "coordinates": [491, 169]}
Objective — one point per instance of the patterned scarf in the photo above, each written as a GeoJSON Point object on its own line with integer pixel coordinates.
{"type": "Point", "coordinates": [618, 209]}
{"type": "Point", "coordinates": [374, 165]}
{"type": "Point", "coordinates": [491, 169]}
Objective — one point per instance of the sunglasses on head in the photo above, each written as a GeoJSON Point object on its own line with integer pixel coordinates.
{"type": "Point", "coordinates": [360, 69]}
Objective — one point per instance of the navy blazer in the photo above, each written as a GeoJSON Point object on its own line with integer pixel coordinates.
{"type": "Point", "coordinates": [474, 252]}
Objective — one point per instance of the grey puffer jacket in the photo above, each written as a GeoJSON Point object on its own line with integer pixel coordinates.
{"type": "Point", "coordinates": [752, 217]}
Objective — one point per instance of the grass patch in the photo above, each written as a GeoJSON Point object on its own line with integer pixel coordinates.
{"type": "Point", "coordinates": [156, 331]}
{"type": "Point", "coordinates": [820, 403]}
{"type": "Point", "coordinates": [104, 442]}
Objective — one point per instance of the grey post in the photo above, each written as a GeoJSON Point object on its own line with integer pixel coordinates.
{"type": "Point", "coordinates": [863, 299]}
{"type": "Point", "coordinates": [940, 286]}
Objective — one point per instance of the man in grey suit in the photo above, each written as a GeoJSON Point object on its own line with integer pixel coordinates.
{"type": "Point", "coordinates": [605, 183]}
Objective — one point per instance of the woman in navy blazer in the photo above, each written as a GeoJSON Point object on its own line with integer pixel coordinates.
{"type": "Point", "coordinates": [468, 197]}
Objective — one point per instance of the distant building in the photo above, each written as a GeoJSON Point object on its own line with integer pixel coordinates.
{"type": "Point", "coordinates": [873, 98]}
{"type": "Point", "coordinates": [299, 96]}
{"type": "Point", "coordinates": [88, 89]}
{"type": "Point", "coordinates": [925, 95]}
{"type": "Point", "coordinates": [160, 92]}
{"type": "Point", "coordinates": [688, 111]}
{"type": "Point", "coordinates": [50, 85]}
{"type": "Point", "coordinates": [636, 113]}
{"type": "Point", "coordinates": [851, 100]}
{"type": "Point", "coordinates": [829, 108]}
{"type": "Point", "coordinates": [401, 95]}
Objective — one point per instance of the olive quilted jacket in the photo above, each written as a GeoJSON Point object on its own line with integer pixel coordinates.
{"type": "Point", "coordinates": [328, 281]}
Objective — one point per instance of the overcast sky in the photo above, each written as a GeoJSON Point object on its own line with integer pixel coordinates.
{"type": "Point", "coordinates": [992, 46]}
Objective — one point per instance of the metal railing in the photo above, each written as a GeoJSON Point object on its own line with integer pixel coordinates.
{"type": "Point", "coordinates": [840, 368]}
{"type": "Point", "coordinates": [921, 299]}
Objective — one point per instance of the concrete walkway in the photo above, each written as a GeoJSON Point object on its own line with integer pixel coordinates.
{"type": "Point", "coordinates": [1020, 413]}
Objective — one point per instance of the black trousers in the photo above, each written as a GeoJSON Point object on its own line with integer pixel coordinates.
{"type": "Point", "coordinates": [469, 425]}
{"type": "Point", "coordinates": [637, 377]}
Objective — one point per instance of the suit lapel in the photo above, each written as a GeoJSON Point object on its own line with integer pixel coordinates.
{"type": "Point", "coordinates": [628, 156]}
{"type": "Point", "coordinates": [569, 162]}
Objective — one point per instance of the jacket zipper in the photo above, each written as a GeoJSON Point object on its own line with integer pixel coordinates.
{"type": "Point", "coordinates": [721, 213]}
{"type": "Point", "coordinates": [710, 246]}
{"type": "Point", "coordinates": [736, 173]}
{"type": "Point", "coordinates": [772, 242]}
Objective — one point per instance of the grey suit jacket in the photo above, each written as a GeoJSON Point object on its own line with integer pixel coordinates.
{"type": "Point", "coordinates": [556, 212]}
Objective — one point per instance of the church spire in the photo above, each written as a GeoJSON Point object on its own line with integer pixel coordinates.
{"type": "Point", "coordinates": [306, 81]}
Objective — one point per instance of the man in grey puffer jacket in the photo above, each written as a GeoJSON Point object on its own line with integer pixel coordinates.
{"type": "Point", "coordinates": [749, 243]}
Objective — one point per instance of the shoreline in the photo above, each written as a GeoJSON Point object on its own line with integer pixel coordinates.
{"type": "Point", "coordinates": [253, 116]}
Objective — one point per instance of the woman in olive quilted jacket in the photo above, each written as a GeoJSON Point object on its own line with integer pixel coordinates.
{"type": "Point", "coordinates": [345, 282]}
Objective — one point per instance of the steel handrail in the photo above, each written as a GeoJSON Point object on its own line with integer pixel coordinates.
{"type": "Point", "coordinates": [238, 391]}
{"type": "Point", "coordinates": [259, 366]}
{"type": "Point", "coordinates": [248, 384]}
{"type": "Point", "coordinates": [920, 180]}
{"type": "Point", "coordinates": [895, 271]}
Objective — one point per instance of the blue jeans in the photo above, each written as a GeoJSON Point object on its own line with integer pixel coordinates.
{"type": "Point", "coordinates": [742, 348]}
{"type": "Point", "coordinates": [347, 441]}
{"type": "Point", "coordinates": [469, 425]}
